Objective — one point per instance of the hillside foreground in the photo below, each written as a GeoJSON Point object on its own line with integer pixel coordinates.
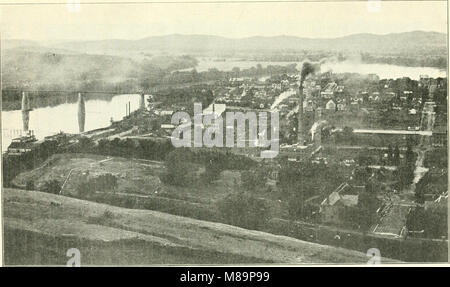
{"type": "Point", "coordinates": [39, 228]}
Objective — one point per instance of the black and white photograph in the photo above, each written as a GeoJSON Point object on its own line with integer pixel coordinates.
{"type": "Point", "coordinates": [224, 133]}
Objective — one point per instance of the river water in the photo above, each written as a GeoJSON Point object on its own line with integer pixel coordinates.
{"type": "Point", "coordinates": [384, 71]}
{"type": "Point", "coordinates": [45, 121]}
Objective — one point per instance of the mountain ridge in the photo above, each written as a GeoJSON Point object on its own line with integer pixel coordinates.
{"type": "Point", "coordinates": [408, 42]}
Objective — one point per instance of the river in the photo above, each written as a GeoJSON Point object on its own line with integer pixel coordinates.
{"type": "Point", "coordinates": [45, 121]}
{"type": "Point", "coordinates": [384, 71]}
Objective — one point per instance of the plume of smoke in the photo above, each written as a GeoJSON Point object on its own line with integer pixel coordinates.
{"type": "Point", "coordinates": [307, 68]}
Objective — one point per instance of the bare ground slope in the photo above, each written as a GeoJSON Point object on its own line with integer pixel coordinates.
{"type": "Point", "coordinates": [40, 227]}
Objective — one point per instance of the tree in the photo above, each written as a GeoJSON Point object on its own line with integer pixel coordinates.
{"type": "Point", "coordinates": [254, 180]}
{"type": "Point", "coordinates": [362, 174]}
{"type": "Point", "coordinates": [363, 158]}
{"type": "Point", "coordinates": [298, 182]}
{"type": "Point", "coordinates": [405, 175]}
{"type": "Point", "coordinates": [29, 185]}
{"type": "Point", "coordinates": [244, 210]}
{"type": "Point", "coordinates": [212, 170]}
{"type": "Point", "coordinates": [179, 168]}
{"type": "Point", "coordinates": [390, 154]}
{"type": "Point", "coordinates": [348, 136]}
{"type": "Point", "coordinates": [421, 187]}
{"type": "Point", "coordinates": [396, 159]}
{"type": "Point", "coordinates": [405, 172]}
{"type": "Point", "coordinates": [85, 144]}
{"type": "Point", "coordinates": [236, 71]}
{"type": "Point", "coordinates": [52, 186]}
{"type": "Point", "coordinates": [367, 206]}
{"type": "Point", "coordinates": [409, 156]}
{"type": "Point", "coordinates": [208, 97]}
{"type": "Point", "coordinates": [83, 189]}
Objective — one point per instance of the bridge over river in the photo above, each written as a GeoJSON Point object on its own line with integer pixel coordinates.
{"type": "Point", "coordinates": [392, 132]}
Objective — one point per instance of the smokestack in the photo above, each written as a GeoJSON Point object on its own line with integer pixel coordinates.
{"type": "Point", "coordinates": [25, 111]}
{"type": "Point", "coordinates": [307, 68]}
{"type": "Point", "coordinates": [300, 115]}
{"type": "Point", "coordinates": [319, 132]}
{"type": "Point", "coordinates": [81, 112]}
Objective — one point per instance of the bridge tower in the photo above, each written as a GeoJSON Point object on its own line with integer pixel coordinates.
{"type": "Point", "coordinates": [26, 108]}
{"type": "Point", "coordinates": [81, 112]}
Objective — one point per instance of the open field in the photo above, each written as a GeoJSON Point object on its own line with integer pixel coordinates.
{"type": "Point", "coordinates": [46, 225]}
{"type": "Point", "coordinates": [140, 176]}
{"type": "Point", "coordinates": [138, 181]}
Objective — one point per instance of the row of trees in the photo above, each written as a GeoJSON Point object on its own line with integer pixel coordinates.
{"type": "Point", "coordinates": [182, 163]}
{"type": "Point", "coordinates": [15, 164]}
{"type": "Point", "coordinates": [428, 61]}
{"type": "Point", "coordinates": [186, 96]}
{"type": "Point", "coordinates": [129, 148]}
{"type": "Point", "coordinates": [166, 77]}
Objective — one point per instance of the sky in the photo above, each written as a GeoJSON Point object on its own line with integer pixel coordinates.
{"type": "Point", "coordinates": [234, 20]}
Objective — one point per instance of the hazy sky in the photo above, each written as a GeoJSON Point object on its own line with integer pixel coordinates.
{"type": "Point", "coordinates": [134, 21]}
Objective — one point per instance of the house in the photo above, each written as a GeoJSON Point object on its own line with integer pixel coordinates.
{"type": "Point", "coordinates": [330, 105]}
{"type": "Point", "coordinates": [329, 90]}
{"type": "Point", "coordinates": [216, 109]}
{"type": "Point", "coordinates": [424, 80]}
{"type": "Point", "coordinates": [405, 95]}
{"type": "Point", "coordinates": [338, 206]}
{"type": "Point", "coordinates": [167, 126]}
{"type": "Point", "coordinates": [376, 96]}
{"type": "Point", "coordinates": [165, 113]}
{"type": "Point", "coordinates": [308, 106]}
{"type": "Point", "coordinates": [354, 106]}
{"type": "Point", "coordinates": [412, 111]}
{"type": "Point", "coordinates": [390, 95]}
{"type": "Point", "coordinates": [432, 89]}
{"type": "Point", "coordinates": [340, 107]}
{"type": "Point", "coordinates": [293, 100]}
{"type": "Point", "coordinates": [22, 145]}
{"type": "Point", "coordinates": [439, 202]}
{"type": "Point", "coordinates": [440, 136]}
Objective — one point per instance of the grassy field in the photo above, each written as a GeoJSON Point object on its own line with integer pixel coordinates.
{"type": "Point", "coordinates": [40, 227]}
{"type": "Point", "coordinates": [138, 181]}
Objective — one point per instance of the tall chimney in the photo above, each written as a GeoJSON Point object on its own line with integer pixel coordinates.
{"type": "Point", "coordinates": [318, 137]}
{"type": "Point", "coordinates": [300, 115]}
{"type": "Point", "coordinates": [81, 112]}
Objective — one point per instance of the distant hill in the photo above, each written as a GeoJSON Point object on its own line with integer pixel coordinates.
{"type": "Point", "coordinates": [26, 66]}
{"type": "Point", "coordinates": [59, 68]}
{"type": "Point", "coordinates": [100, 64]}
{"type": "Point", "coordinates": [408, 42]}
{"type": "Point", "coordinates": [13, 43]}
